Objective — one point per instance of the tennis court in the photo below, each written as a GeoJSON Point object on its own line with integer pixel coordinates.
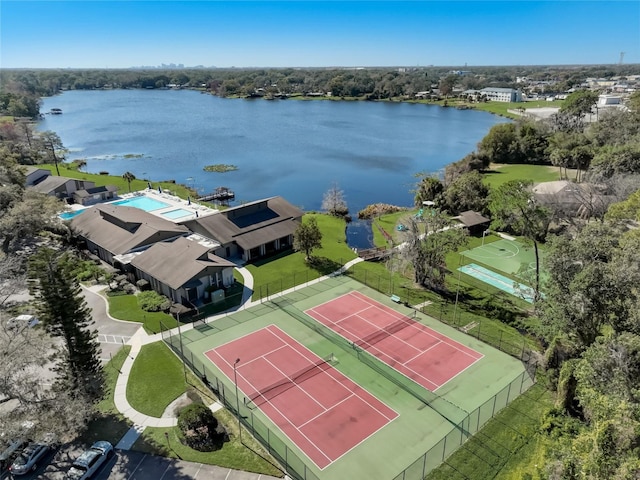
{"type": "Point", "coordinates": [413, 349]}
{"type": "Point", "coordinates": [294, 374]}
{"type": "Point", "coordinates": [316, 406]}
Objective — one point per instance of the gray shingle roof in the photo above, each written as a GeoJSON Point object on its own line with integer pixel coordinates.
{"type": "Point", "coordinates": [178, 262]}
{"type": "Point", "coordinates": [120, 229]}
{"type": "Point", "coordinates": [471, 218]}
{"type": "Point", "coordinates": [252, 224]}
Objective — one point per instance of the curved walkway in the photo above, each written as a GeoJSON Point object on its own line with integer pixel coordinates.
{"type": "Point", "coordinates": [141, 337]}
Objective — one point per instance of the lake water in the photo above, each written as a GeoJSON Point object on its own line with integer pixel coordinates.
{"type": "Point", "coordinates": [297, 149]}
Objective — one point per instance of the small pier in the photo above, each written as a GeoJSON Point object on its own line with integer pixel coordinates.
{"type": "Point", "coordinates": [220, 194]}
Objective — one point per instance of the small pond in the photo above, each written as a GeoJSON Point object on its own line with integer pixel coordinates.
{"type": "Point", "coordinates": [359, 234]}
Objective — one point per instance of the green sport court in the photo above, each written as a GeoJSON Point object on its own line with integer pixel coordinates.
{"type": "Point", "coordinates": [515, 259]}
{"type": "Point", "coordinates": [412, 422]}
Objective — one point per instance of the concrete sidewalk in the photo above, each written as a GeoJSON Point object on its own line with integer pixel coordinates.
{"type": "Point", "coordinates": [141, 337]}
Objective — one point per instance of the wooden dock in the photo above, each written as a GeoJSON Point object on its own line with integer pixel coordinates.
{"type": "Point", "coordinates": [220, 194]}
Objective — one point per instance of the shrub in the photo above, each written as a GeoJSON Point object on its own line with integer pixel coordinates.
{"type": "Point", "coordinates": [199, 428]}
{"type": "Point", "coordinates": [151, 301]}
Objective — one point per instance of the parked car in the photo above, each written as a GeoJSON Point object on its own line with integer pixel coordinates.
{"type": "Point", "coordinates": [27, 460]}
{"type": "Point", "coordinates": [90, 461]}
{"type": "Point", "coordinates": [22, 321]}
{"type": "Point", "coordinates": [8, 454]}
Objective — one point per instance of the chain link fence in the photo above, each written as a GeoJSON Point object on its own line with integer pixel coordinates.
{"type": "Point", "coordinates": [463, 424]}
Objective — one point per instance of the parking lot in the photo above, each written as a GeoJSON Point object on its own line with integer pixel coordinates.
{"type": "Point", "coordinates": [129, 465]}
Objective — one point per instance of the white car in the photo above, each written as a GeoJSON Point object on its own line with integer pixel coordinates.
{"type": "Point", "coordinates": [22, 321]}
{"type": "Point", "coordinates": [90, 461]}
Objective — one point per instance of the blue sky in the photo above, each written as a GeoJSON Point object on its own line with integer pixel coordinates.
{"type": "Point", "coordinates": [120, 34]}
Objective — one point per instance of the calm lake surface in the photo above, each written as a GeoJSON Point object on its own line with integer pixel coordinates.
{"type": "Point", "coordinates": [297, 149]}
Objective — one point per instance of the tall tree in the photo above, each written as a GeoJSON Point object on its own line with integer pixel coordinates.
{"type": "Point", "coordinates": [53, 148]}
{"type": "Point", "coordinates": [334, 202]}
{"type": "Point", "coordinates": [426, 243]}
{"type": "Point", "coordinates": [64, 313]}
{"type": "Point", "coordinates": [129, 177]}
{"type": "Point", "coordinates": [307, 237]}
{"type": "Point", "coordinates": [467, 192]}
{"type": "Point", "coordinates": [430, 189]}
{"type": "Point", "coordinates": [513, 207]}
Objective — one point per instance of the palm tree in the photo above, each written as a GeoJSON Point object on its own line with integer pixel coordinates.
{"type": "Point", "coordinates": [129, 177]}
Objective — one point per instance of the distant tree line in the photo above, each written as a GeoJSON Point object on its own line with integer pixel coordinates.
{"type": "Point", "coordinates": [21, 89]}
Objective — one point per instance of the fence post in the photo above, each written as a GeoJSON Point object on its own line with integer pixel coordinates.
{"type": "Point", "coordinates": [500, 343]}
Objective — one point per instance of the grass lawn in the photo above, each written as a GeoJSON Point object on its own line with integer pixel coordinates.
{"type": "Point", "coordinates": [156, 380]}
{"type": "Point", "coordinates": [67, 170]}
{"type": "Point", "coordinates": [509, 445]}
{"type": "Point", "coordinates": [233, 454]}
{"type": "Point", "coordinates": [288, 269]}
{"type": "Point", "coordinates": [502, 173]}
{"type": "Point", "coordinates": [109, 425]}
{"type": "Point", "coordinates": [248, 455]}
{"type": "Point", "coordinates": [125, 307]}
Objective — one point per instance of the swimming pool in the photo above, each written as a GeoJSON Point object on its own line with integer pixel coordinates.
{"type": "Point", "coordinates": [143, 203]}
{"type": "Point", "coordinates": [178, 213]}
{"type": "Point", "coordinates": [70, 215]}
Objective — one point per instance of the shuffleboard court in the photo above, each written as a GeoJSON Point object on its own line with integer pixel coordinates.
{"type": "Point", "coordinates": [318, 408]}
{"type": "Point", "coordinates": [427, 357]}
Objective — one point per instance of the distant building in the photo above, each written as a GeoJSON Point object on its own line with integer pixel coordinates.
{"type": "Point", "coordinates": [605, 100]}
{"type": "Point", "coordinates": [36, 175]}
{"type": "Point", "coordinates": [497, 94]}
{"type": "Point", "coordinates": [60, 187]}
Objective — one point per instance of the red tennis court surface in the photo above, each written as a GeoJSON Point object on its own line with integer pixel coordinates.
{"type": "Point", "coordinates": [323, 412]}
{"type": "Point", "coordinates": [413, 349]}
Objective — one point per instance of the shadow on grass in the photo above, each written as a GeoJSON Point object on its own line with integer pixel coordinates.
{"type": "Point", "coordinates": [323, 265]}
{"type": "Point", "coordinates": [264, 261]}
{"type": "Point", "coordinates": [107, 426]}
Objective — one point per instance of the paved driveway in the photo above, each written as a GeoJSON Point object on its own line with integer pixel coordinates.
{"type": "Point", "coordinates": [112, 334]}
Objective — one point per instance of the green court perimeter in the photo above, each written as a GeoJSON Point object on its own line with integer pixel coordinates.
{"type": "Point", "coordinates": [509, 256]}
{"type": "Point", "coordinates": [472, 397]}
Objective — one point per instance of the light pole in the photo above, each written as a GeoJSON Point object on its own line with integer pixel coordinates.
{"type": "Point", "coordinates": [235, 381]}
{"type": "Point", "coordinates": [483, 234]}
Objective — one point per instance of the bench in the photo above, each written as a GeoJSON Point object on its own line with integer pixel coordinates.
{"type": "Point", "coordinates": [395, 298]}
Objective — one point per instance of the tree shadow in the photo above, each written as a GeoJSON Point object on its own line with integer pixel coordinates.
{"type": "Point", "coordinates": [107, 426]}
{"type": "Point", "coordinates": [323, 265]}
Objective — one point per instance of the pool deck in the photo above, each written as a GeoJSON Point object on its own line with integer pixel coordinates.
{"type": "Point", "coordinates": [173, 202]}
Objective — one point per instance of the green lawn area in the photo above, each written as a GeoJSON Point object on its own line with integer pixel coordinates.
{"type": "Point", "coordinates": [156, 380]}
{"type": "Point", "coordinates": [502, 173]}
{"type": "Point", "coordinates": [507, 448]}
{"type": "Point", "coordinates": [109, 424]}
{"type": "Point", "coordinates": [233, 454]}
{"type": "Point", "coordinates": [125, 307]}
{"type": "Point", "coordinates": [68, 170]}
{"type": "Point", "coordinates": [284, 271]}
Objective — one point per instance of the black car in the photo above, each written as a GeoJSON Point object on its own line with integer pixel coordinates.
{"type": "Point", "coordinates": [8, 454]}
{"type": "Point", "coordinates": [27, 461]}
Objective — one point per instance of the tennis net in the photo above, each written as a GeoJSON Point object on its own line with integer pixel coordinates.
{"type": "Point", "coordinates": [273, 390]}
{"type": "Point", "coordinates": [383, 333]}
{"type": "Point", "coordinates": [448, 410]}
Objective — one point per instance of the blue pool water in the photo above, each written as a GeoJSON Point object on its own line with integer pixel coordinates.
{"type": "Point", "coordinates": [143, 203]}
{"type": "Point", "coordinates": [179, 213]}
{"type": "Point", "coordinates": [499, 281]}
{"type": "Point", "coordinates": [70, 215]}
